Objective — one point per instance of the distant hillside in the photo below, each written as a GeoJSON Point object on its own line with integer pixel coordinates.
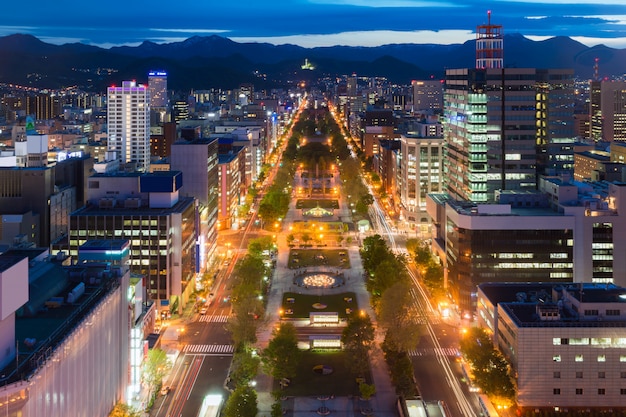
{"type": "Point", "coordinates": [214, 61]}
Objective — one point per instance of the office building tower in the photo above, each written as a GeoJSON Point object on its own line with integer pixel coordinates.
{"type": "Point", "coordinates": [607, 111]}
{"type": "Point", "coordinates": [161, 226]}
{"type": "Point", "coordinates": [198, 161]}
{"type": "Point", "coordinates": [378, 125]}
{"type": "Point", "coordinates": [427, 95]}
{"type": "Point", "coordinates": [157, 86]}
{"type": "Point", "coordinates": [567, 231]}
{"type": "Point", "coordinates": [504, 127]}
{"type": "Point", "coordinates": [181, 110]}
{"type": "Point", "coordinates": [128, 120]}
{"type": "Point", "coordinates": [420, 173]}
{"type": "Point", "coordinates": [159, 100]}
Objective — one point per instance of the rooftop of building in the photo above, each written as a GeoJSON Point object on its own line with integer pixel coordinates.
{"type": "Point", "coordinates": [130, 174]}
{"type": "Point", "coordinates": [524, 301]}
{"type": "Point", "coordinates": [94, 210]}
{"type": "Point", "coordinates": [113, 244]}
{"type": "Point", "coordinates": [12, 257]}
{"type": "Point", "coordinates": [601, 156]}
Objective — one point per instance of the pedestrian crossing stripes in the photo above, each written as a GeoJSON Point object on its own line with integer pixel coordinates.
{"type": "Point", "coordinates": [430, 352]}
{"type": "Point", "coordinates": [226, 349]}
{"type": "Point", "coordinates": [430, 319]}
{"type": "Point", "coordinates": [214, 318]}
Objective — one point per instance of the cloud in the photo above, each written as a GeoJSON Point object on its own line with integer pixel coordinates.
{"type": "Point", "coordinates": [387, 3]}
{"type": "Point", "coordinates": [190, 31]}
{"type": "Point", "coordinates": [366, 38]}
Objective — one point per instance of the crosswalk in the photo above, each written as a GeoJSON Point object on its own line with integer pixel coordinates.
{"type": "Point", "coordinates": [207, 349]}
{"type": "Point", "coordinates": [448, 351]}
{"type": "Point", "coordinates": [214, 318]}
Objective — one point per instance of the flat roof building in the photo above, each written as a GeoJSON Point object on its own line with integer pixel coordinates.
{"type": "Point", "coordinates": [566, 343]}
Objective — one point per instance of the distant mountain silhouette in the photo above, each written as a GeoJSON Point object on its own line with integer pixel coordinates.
{"type": "Point", "coordinates": [213, 61]}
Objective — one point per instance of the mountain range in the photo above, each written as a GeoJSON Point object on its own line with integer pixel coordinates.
{"type": "Point", "coordinates": [203, 62]}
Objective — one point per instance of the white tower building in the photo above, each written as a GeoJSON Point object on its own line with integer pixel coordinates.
{"type": "Point", "coordinates": [128, 118]}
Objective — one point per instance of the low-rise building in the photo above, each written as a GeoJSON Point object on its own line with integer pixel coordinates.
{"type": "Point", "coordinates": [566, 343]}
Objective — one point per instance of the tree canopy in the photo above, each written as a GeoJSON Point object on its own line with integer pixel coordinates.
{"type": "Point", "coordinates": [357, 339]}
{"type": "Point", "coordinates": [280, 358]}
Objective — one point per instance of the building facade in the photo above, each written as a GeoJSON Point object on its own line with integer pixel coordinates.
{"type": "Point", "coordinates": [565, 343]}
{"type": "Point", "coordinates": [420, 173]}
{"type": "Point", "coordinates": [505, 127]}
{"type": "Point", "coordinates": [161, 227]}
{"type": "Point", "coordinates": [128, 124]}
{"type": "Point", "coordinates": [567, 232]}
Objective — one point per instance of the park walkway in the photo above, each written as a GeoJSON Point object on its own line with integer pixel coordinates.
{"type": "Point", "coordinates": [382, 404]}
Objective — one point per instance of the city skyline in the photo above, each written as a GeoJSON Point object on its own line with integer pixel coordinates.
{"type": "Point", "coordinates": [312, 23]}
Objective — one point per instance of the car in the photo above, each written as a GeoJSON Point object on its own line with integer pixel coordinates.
{"type": "Point", "coordinates": [165, 389]}
{"type": "Point", "coordinates": [203, 311]}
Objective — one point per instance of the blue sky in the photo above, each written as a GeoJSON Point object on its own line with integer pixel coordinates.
{"type": "Point", "coordinates": [312, 22]}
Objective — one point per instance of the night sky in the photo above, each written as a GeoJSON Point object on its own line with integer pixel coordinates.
{"type": "Point", "coordinates": [311, 22]}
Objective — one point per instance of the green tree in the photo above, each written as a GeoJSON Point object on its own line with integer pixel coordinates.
{"type": "Point", "coordinates": [241, 403]}
{"type": "Point", "coordinates": [260, 244]}
{"type": "Point", "coordinates": [387, 273]}
{"type": "Point", "coordinates": [490, 369]}
{"type": "Point", "coordinates": [242, 326]}
{"type": "Point", "coordinates": [357, 339]}
{"type": "Point", "coordinates": [366, 390]}
{"type": "Point", "coordinates": [374, 252]}
{"type": "Point", "coordinates": [249, 274]}
{"type": "Point", "coordinates": [244, 367]}
{"type": "Point", "coordinates": [290, 239]}
{"type": "Point", "coordinates": [156, 366]}
{"type": "Point", "coordinates": [281, 356]}
{"type": "Point", "coordinates": [398, 315]}
{"type": "Point", "coordinates": [124, 410]}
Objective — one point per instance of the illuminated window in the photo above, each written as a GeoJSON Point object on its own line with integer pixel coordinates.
{"type": "Point", "coordinates": [578, 358]}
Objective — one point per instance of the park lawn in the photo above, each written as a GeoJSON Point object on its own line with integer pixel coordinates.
{"type": "Point", "coordinates": [306, 258]}
{"type": "Point", "coordinates": [325, 203]}
{"type": "Point", "coordinates": [303, 304]}
{"type": "Point", "coordinates": [308, 383]}
{"type": "Point", "coordinates": [312, 226]}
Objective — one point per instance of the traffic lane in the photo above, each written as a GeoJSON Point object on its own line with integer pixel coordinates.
{"type": "Point", "coordinates": [210, 380]}
{"type": "Point", "coordinates": [200, 332]}
{"type": "Point", "coordinates": [431, 380]}
{"type": "Point", "coordinates": [183, 387]}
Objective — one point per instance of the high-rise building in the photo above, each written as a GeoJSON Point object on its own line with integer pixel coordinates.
{"type": "Point", "coordinates": [420, 173]}
{"type": "Point", "coordinates": [157, 85]}
{"type": "Point", "coordinates": [198, 161]}
{"type": "Point", "coordinates": [159, 100]}
{"type": "Point", "coordinates": [607, 111]}
{"type": "Point", "coordinates": [506, 126]}
{"type": "Point", "coordinates": [128, 119]}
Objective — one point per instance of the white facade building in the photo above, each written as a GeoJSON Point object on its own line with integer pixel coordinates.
{"type": "Point", "coordinates": [420, 173]}
{"type": "Point", "coordinates": [73, 352]}
{"type": "Point", "coordinates": [566, 343]}
{"type": "Point", "coordinates": [128, 119]}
